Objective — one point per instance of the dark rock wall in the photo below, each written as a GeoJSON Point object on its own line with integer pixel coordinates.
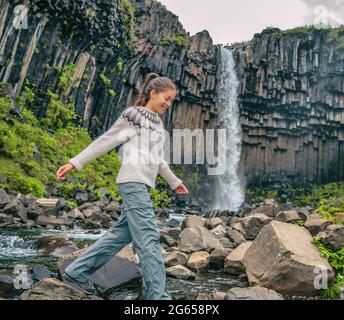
{"type": "Point", "coordinates": [291, 86]}
{"type": "Point", "coordinates": [292, 106]}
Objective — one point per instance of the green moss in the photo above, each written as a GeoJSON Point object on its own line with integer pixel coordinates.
{"type": "Point", "coordinates": [119, 64]}
{"type": "Point", "coordinates": [112, 93]}
{"type": "Point", "coordinates": [105, 79]}
{"type": "Point", "coordinates": [72, 204]}
{"type": "Point", "coordinates": [128, 12]}
{"type": "Point", "coordinates": [178, 39]}
{"type": "Point", "coordinates": [57, 114]}
{"type": "Point", "coordinates": [65, 75]}
{"type": "Point", "coordinates": [301, 31]}
{"type": "Point", "coordinates": [299, 223]}
{"type": "Point", "coordinates": [90, 13]}
{"type": "Point", "coordinates": [270, 29]}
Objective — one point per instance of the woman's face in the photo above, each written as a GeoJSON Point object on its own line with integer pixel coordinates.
{"type": "Point", "coordinates": [161, 101]}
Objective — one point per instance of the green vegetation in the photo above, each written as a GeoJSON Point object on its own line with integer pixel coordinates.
{"type": "Point", "coordinates": [105, 79]}
{"type": "Point", "coordinates": [65, 75]}
{"type": "Point", "coordinates": [336, 260]}
{"type": "Point", "coordinates": [90, 13]}
{"type": "Point", "coordinates": [301, 31]}
{"type": "Point", "coordinates": [33, 149]}
{"type": "Point", "coordinates": [159, 199]}
{"type": "Point", "coordinates": [179, 40]}
{"type": "Point", "coordinates": [331, 209]}
{"type": "Point", "coordinates": [128, 16]}
{"type": "Point", "coordinates": [112, 93]}
{"type": "Point", "coordinates": [327, 199]}
{"type": "Point", "coordinates": [270, 29]}
{"type": "Point", "coordinates": [260, 194]}
{"type": "Point", "coordinates": [299, 223]}
{"type": "Point", "coordinates": [192, 176]}
{"type": "Point", "coordinates": [58, 114]}
{"type": "Point", "coordinates": [335, 38]}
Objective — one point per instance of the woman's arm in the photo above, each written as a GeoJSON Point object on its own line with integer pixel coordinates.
{"type": "Point", "coordinates": [166, 172]}
{"type": "Point", "coordinates": [120, 132]}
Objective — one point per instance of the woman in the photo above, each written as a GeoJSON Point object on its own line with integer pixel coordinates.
{"type": "Point", "coordinates": [137, 127]}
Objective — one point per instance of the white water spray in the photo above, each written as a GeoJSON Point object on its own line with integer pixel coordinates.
{"type": "Point", "coordinates": [229, 190]}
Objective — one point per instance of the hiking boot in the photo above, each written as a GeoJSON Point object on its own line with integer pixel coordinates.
{"type": "Point", "coordinates": [86, 287]}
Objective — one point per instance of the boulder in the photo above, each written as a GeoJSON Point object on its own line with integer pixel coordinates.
{"type": "Point", "coordinates": [217, 258]}
{"type": "Point", "coordinates": [118, 272]}
{"type": "Point", "coordinates": [214, 222]}
{"type": "Point", "coordinates": [198, 261]}
{"type": "Point", "coordinates": [197, 239]}
{"type": "Point", "coordinates": [290, 216]}
{"type": "Point", "coordinates": [269, 207]}
{"type": "Point", "coordinates": [40, 272]}
{"type": "Point", "coordinates": [33, 211]}
{"type": "Point", "coordinates": [284, 258]}
{"type": "Point", "coordinates": [236, 236]}
{"type": "Point", "coordinates": [234, 261]}
{"type": "Point", "coordinates": [175, 257]}
{"type": "Point", "coordinates": [53, 221]}
{"type": "Point", "coordinates": [218, 295]}
{"type": "Point", "coordinates": [219, 231]}
{"type": "Point", "coordinates": [165, 238]}
{"type": "Point", "coordinates": [252, 293]}
{"type": "Point", "coordinates": [128, 253]}
{"type": "Point", "coordinates": [7, 289]}
{"type": "Point", "coordinates": [315, 223]}
{"type": "Point", "coordinates": [4, 198]}
{"type": "Point", "coordinates": [51, 206]}
{"type": "Point", "coordinates": [193, 221]}
{"type": "Point", "coordinates": [173, 233]}
{"type": "Point", "coordinates": [55, 245]}
{"type": "Point", "coordinates": [52, 289]}
{"type": "Point", "coordinates": [252, 224]}
{"type": "Point", "coordinates": [113, 206]}
{"type": "Point", "coordinates": [5, 220]}
{"type": "Point", "coordinates": [334, 237]}
{"type": "Point", "coordinates": [226, 243]}
{"type": "Point", "coordinates": [180, 272]}
{"type": "Point", "coordinates": [75, 214]}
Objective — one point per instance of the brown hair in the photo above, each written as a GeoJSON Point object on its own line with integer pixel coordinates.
{"type": "Point", "coordinates": [153, 82]}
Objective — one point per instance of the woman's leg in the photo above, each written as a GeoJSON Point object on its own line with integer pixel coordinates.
{"type": "Point", "coordinates": [102, 251]}
{"type": "Point", "coordinates": [146, 239]}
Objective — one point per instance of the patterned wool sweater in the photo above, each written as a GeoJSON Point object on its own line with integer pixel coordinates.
{"type": "Point", "coordinates": [141, 134]}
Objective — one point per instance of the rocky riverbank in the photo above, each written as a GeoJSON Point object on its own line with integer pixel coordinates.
{"type": "Point", "coordinates": [264, 251]}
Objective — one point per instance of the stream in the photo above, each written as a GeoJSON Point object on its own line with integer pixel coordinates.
{"type": "Point", "coordinates": [20, 247]}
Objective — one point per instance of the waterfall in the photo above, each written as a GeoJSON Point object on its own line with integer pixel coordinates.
{"type": "Point", "coordinates": [229, 189]}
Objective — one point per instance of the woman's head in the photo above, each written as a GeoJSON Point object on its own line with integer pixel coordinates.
{"type": "Point", "coordinates": [157, 93]}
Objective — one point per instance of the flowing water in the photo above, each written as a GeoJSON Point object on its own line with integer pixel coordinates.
{"type": "Point", "coordinates": [20, 247]}
{"type": "Point", "coordinates": [230, 193]}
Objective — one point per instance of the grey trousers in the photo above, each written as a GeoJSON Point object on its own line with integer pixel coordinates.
{"type": "Point", "coordinates": [136, 223]}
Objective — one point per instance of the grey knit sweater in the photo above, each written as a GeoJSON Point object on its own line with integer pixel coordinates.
{"type": "Point", "coordinates": [141, 134]}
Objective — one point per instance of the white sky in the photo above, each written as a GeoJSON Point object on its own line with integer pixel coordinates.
{"type": "Point", "coordinates": [230, 21]}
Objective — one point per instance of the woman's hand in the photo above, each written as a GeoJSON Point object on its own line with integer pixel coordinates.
{"type": "Point", "coordinates": [182, 189]}
{"type": "Point", "coordinates": [63, 170]}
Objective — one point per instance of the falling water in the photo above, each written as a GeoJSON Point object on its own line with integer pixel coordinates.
{"type": "Point", "coordinates": [229, 192]}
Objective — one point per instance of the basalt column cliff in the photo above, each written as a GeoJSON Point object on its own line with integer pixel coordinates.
{"type": "Point", "coordinates": [291, 93]}
{"type": "Point", "coordinates": [292, 105]}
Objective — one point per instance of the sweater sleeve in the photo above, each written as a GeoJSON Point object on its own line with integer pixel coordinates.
{"type": "Point", "coordinates": [166, 172]}
{"type": "Point", "coordinates": [119, 133]}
